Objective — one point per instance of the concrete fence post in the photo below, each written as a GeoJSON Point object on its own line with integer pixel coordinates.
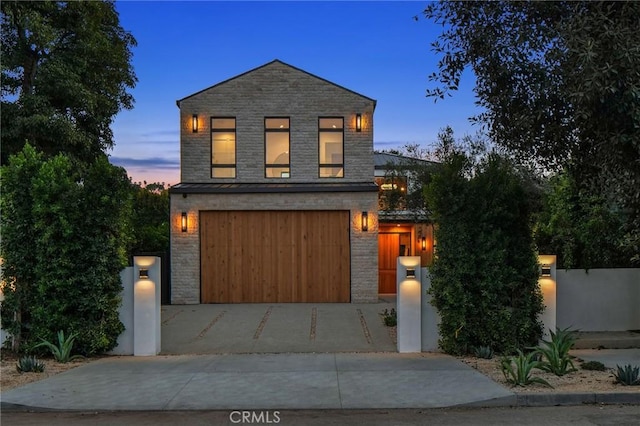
{"type": "Point", "coordinates": [548, 284]}
{"type": "Point", "coordinates": [409, 291]}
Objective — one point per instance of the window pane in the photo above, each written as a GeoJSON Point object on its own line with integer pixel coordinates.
{"type": "Point", "coordinates": [277, 172]}
{"type": "Point", "coordinates": [331, 148]}
{"type": "Point", "coordinates": [331, 123]}
{"type": "Point", "coordinates": [224, 148]}
{"type": "Point", "coordinates": [277, 148]}
{"type": "Point", "coordinates": [276, 123]}
{"type": "Point", "coordinates": [331, 172]}
{"type": "Point", "coordinates": [223, 123]}
{"type": "Point", "coordinates": [223, 172]}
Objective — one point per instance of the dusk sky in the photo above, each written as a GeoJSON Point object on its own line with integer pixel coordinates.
{"type": "Point", "coordinates": [374, 48]}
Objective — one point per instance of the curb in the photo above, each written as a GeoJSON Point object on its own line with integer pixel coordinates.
{"type": "Point", "coordinates": [553, 399]}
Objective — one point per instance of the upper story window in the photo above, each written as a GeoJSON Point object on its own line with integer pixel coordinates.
{"type": "Point", "coordinates": [331, 147]}
{"type": "Point", "coordinates": [276, 147]}
{"type": "Point", "coordinates": [223, 147]}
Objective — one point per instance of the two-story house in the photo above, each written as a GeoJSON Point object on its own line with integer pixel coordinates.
{"type": "Point", "coordinates": [277, 201]}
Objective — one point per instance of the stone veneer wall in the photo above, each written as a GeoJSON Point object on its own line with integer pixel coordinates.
{"type": "Point", "coordinates": [275, 90]}
{"type": "Point", "coordinates": [185, 246]}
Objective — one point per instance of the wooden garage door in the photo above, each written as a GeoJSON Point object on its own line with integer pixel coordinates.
{"type": "Point", "coordinates": [274, 256]}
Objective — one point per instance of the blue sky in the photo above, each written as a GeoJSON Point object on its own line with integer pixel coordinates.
{"type": "Point", "coordinates": [374, 48]}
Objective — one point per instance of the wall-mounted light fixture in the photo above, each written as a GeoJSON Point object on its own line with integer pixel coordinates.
{"type": "Point", "coordinates": [364, 223]}
{"type": "Point", "coordinates": [358, 122]}
{"type": "Point", "coordinates": [411, 273]}
{"type": "Point", "coordinates": [183, 221]}
{"type": "Point", "coordinates": [144, 274]}
{"type": "Point", "coordinates": [194, 123]}
{"type": "Point", "coordinates": [545, 270]}
{"type": "Point", "coordinates": [424, 243]}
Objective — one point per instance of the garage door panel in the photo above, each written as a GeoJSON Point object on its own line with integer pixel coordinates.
{"type": "Point", "coordinates": [275, 256]}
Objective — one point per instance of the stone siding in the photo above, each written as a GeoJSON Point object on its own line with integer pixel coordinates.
{"type": "Point", "coordinates": [185, 246]}
{"type": "Point", "coordinates": [276, 90]}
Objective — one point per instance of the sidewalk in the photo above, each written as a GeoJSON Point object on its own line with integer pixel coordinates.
{"type": "Point", "coordinates": [287, 381]}
{"type": "Point", "coordinates": [286, 356]}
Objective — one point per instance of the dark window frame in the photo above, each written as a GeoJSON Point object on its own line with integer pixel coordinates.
{"type": "Point", "coordinates": [330, 165]}
{"type": "Point", "coordinates": [235, 146]}
{"type": "Point", "coordinates": [277, 130]}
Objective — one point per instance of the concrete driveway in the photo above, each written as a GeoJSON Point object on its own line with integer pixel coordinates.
{"type": "Point", "coordinates": [276, 328]}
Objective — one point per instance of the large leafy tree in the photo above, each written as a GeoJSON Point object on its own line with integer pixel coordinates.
{"type": "Point", "coordinates": [66, 69]}
{"type": "Point", "coordinates": [559, 86]}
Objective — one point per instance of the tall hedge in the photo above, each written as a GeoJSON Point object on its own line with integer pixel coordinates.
{"type": "Point", "coordinates": [485, 275]}
{"type": "Point", "coordinates": [65, 232]}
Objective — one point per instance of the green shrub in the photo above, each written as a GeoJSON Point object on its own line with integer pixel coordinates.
{"type": "Point", "coordinates": [517, 370]}
{"type": "Point", "coordinates": [29, 364]}
{"type": "Point", "coordinates": [555, 353]}
{"type": "Point", "coordinates": [390, 318]}
{"type": "Point", "coordinates": [627, 375]}
{"type": "Point", "coordinates": [62, 351]}
{"type": "Point", "coordinates": [484, 280]}
{"type": "Point", "coordinates": [484, 352]}
{"type": "Point", "coordinates": [593, 365]}
{"type": "Point", "coordinates": [65, 229]}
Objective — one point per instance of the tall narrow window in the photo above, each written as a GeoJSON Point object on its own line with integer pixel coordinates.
{"type": "Point", "coordinates": [276, 148]}
{"type": "Point", "coordinates": [223, 147]}
{"type": "Point", "coordinates": [331, 147]}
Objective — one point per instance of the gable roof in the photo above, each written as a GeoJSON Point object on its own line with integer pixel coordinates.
{"type": "Point", "coordinates": [277, 61]}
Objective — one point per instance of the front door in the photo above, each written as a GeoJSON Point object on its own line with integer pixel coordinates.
{"type": "Point", "coordinates": [390, 246]}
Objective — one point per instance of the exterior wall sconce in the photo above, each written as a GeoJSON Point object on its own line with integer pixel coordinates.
{"type": "Point", "coordinates": [545, 270]}
{"type": "Point", "coordinates": [194, 123]}
{"type": "Point", "coordinates": [411, 273]}
{"type": "Point", "coordinates": [424, 243]}
{"type": "Point", "coordinates": [358, 122]}
{"type": "Point", "coordinates": [183, 221]}
{"type": "Point", "coordinates": [365, 222]}
{"type": "Point", "coordinates": [144, 274]}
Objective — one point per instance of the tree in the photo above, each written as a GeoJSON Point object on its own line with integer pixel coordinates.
{"type": "Point", "coordinates": [484, 279]}
{"type": "Point", "coordinates": [65, 233]}
{"type": "Point", "coordinates": [580, 227]}
{"type": "Point", "coordinates": [559, 85]}
{"type": "Point", "coordinates": [150, 218]}
{"type": "Point", "coordinates": [66, 68]}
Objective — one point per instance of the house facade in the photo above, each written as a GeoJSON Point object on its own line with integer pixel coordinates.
{"type": "Point", "coordinates": [403, 230]}
{"type": "Point", "coordinates": [277, 201]}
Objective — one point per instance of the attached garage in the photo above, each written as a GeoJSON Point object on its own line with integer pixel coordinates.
{"type": "Point", "coordinates": [275, 256]}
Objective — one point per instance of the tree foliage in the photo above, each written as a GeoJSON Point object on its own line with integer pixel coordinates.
{"type": "Point", "coordinates": [66, 68]}
{"type": "Point", "coordinates": [485, 274]}
{"type": "Point", "coordinates": [558, 83]}
{"type": "Point", "coordinates": [150, 218]}
{"type": "Point", "coordinates": [582, 228]}
{"type": "Point", "coordinates": [65, 233]}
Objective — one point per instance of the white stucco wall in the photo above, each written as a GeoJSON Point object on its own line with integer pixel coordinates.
{"type": "Point", "coordinates": [598, 300]}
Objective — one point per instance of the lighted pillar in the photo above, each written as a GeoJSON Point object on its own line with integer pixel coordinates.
{"type": "Point", "coordinates": [409, 304]}
{"type": "Point", "coordinates": [547, 282]}
{"type": "Point", "coordinates": [146, 305]}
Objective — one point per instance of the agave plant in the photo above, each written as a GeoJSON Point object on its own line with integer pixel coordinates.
{"type": "Point", "coordinates": [29, 363]}
{"type": "Point", "coordinates": [62, 351]}
{"type": "Point", "coordinates": [555, 353]}
{"type": "Point", "coordinates": [628, 375]}
{"type": "Point", "coordinates": [517, 370]}
{"type": "Point", "coordinates": [484, 352]}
